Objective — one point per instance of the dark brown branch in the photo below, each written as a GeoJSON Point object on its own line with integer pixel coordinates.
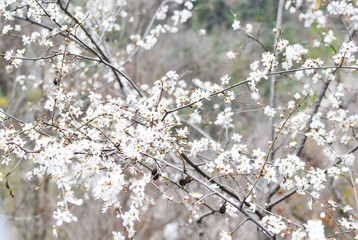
{"type": "Point", "coordinates": [257, 40]}
{"type": "Point", "coordinates": [312, 112]}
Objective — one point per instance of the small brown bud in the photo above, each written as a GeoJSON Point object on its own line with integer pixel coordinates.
{"type": "Point", "coordinates": [188, 179]}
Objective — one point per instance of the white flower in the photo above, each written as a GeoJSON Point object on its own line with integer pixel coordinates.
{"type": "Point", "coordinates": [248, 28]}
{"type": "Point", "coordinates": [189, 5]}
{"type": "Point", "coordinates": [338, 58]}
{"type": "Point", "coordinates": [293, 53]}
{"type": "Point", "coordinates": [270, 174]}
{"type": "Point", "coordinates": [8, 54]}
{"type": "Point", "coordinates": [236, 25]}
{"type": "Point", "coordinates": [237, 137]}
{"type": "Point", "coordinates": [7, 29]}
{"type": "Point", "coordinates": [117, 236]}
{"type": "Point", "coordinates": [50, 103]}
{"type": "Point", "coordinates": [9, 15]}
{"type": "Point", "coordinates": [273, 224]}
{"type": "Point", "coordinates": [298, 235]}
{"type": "Point", "coordinates": [315, 230]}
{"type": "Point", "coordinates": [255, 96]}
{"type": "Point", "coordinates": [231, 55]}
{"type": "Point", "coordinates": [198, 146]}
{"type": "Point", "coordinates": [128, 219]}
{"type": "Point", "coordinates": [297, 96]}
{"type": "Point", "coordinates": [63, 216]}
{"type": "Point", "coordinates": [269, 111]}
{"type": "Point", "coordinates": [316, 43]}
{"type": "Point", "coordinates": [225, 235]}
{"type": "Point", "coordinates": [329, 37]}
{"type": "Point", "coordinates": [254, 65]}
{"type": "Point", "coordinates": [291, 105]}
{"type": "Point", "coordinates": [202, 32]}
{"type": "Point", "coordinates": [348, 159]}
{"type": "Point", "coordinates": [225, 79]}
{"type": "Point", "coordinates": [289, 165]}
{"type": "Point", "coordinates": [282, 44]}
{"type": "Point", "coordinates": [183, 132]}
{"type": "Point", "coordinates": [224, 118]}
{"type": "Point", "coordinates": [269, 61]}
{"type": "Point", "coordinates": [347, 208]}
{"type": "Point", "coordinates": [162, 13]}
{"type": "Point", "coordinates": [18, 28]}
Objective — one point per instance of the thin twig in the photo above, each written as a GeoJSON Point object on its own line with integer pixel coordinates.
{"type": "Point", "coordinates": [211, 189]}
{"type": "Point", "coordinates": [13, 169]}
{"type": "Point", "coordinates": [271, 148]}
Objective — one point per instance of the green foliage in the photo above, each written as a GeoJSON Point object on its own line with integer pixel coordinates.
{"type": "Point", "coordinates": [3, 99]}
{"type": "Point", "coordinates": [309, 101]}
{"type": "Point", "coordinates": [212, 14]}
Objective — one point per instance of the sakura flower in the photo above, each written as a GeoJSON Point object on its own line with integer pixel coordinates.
{"type": "Point", "coordinates": [202, 32]}
{"type": "Point", "coordinates": [6, 29]}
{"type": "Point", "coordinates": [63, 216]}
{"type": "Point", "coordinates": [117, 236]}
{"type": "Point", "coordinates": [273, 224]}
{"type": "Point", "coordinates": [237, 137]}
{"type": "Point", "coordinates": [329, 37]}
{"type": "Point", "coordinates": [315, 229]}
{"type": "Point", "coordinates": [50, 103]}
{"type": "Point", "coordinates": [248, 28]}
{"type": "Point", "coordinates": [224, 119]}
{"type": "Point", "coordinates": [297, 96]}
{"type": "Point", "coordinates": [298, 235]}
{"type": "Point", "coordinates": [231, 55]}
{"type": "Point", "coordinates": [183, 132]}
{"type": "Point", "coordinates": [225, 235]}
{"type": "Point", "coordinates": [128, 219]}
{"type": "Point", "coordinates": [236, 24]}
{"type": "Point", "coordinates": [271, 112]}
{"type": "Point", "coordinates": [270, 174]}
{"type": "Point", "coordinates": [282, 44]}
{"type": "Point", "coordinates": [225, 79]}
